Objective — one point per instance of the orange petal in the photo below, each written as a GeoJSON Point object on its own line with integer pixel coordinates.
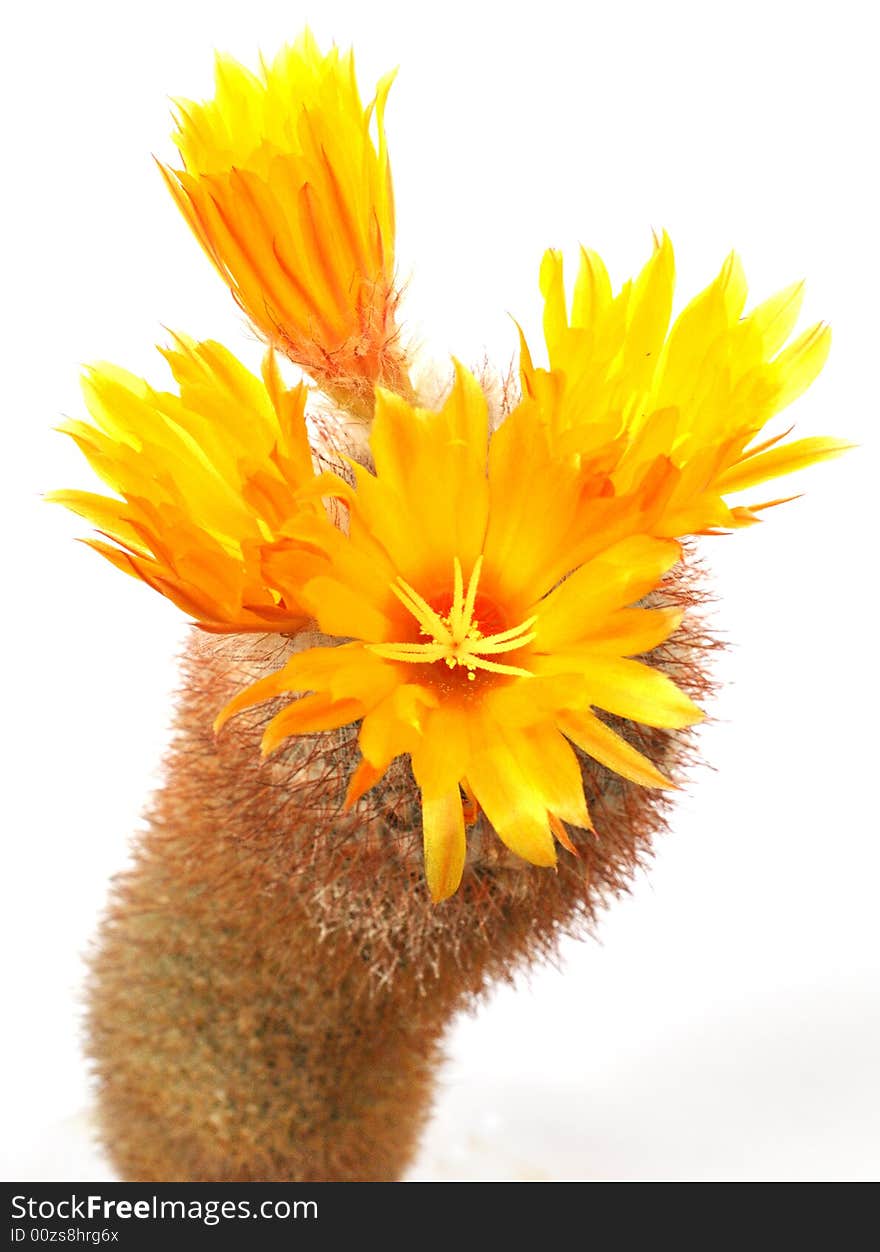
{"type": "Point", "coordinates": [561, 834]}
{"type": "Point", "coordinates": [363, 778]}
{"type": "Point", "coordinates": [309, 715]}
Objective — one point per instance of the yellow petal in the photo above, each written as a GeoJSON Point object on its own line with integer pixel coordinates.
{"type": "Point", "coordinates": [441, 757]}
{"type": "Point", "coordinates": [600, 742]}
{"type": "Point", "coordinates": [784, 459]}
{"type": "Point", "coordinates": [395, 725]}
{"type": "Point", "coordinates": [650, 308]}
{"type": "Point", "coordinates": [592, 292]}
{"type": "Point", "coordinates": [621, 575]}
{"type": "Point", "coordinates": [798, 365]}
{"type": "Point", "coordinates": [342, 611]}
{"type": "Point", "coordinates": [774, 320]}
{"type": "Point", "coordinates": [633, 632]}
{"type": "Point", "coordinates": [445, 843]}
{"type": "Point", "coordinates": [511, 803]}
{"type": "Point", "coordinates": [547, 762]}
{"type": "Point", "coordinates": [627, 688]}
{"type": "Point", "coordinates": [429, 500]}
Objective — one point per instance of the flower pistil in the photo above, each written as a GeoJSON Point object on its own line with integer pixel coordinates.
{"type": "Point", "coordinates": [455, 637]}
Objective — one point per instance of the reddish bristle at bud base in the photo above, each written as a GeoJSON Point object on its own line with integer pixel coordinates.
{"type": "Point", "coordinates": [273, 984]}
{"type": "Point", "coordinates": [350, 373]}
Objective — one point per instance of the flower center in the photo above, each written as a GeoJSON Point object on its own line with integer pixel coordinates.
{"type": "Point", "coordinates": [455, 637]}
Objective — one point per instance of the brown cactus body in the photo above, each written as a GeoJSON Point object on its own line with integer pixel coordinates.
{"type": "Point", "coordinates": [272, 982]}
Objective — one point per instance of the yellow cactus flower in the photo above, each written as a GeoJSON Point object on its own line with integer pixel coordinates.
{"type": "Point", "coordinates": [206, 477]}
{"type": "Point", "coordinates": [475, 641]}
{"type": "Point", "coordinates": [486, 594]}
{"type": "Point", "coordinates": [697, 394]}
{"type": "Point", "coordinates": [482, 594]}
{"type": "Point", "coordinates": [487, 635]}
{"type": "Point", "coordinates": [290, 195]}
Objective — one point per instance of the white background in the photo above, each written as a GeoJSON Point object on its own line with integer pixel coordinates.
{"type": "Point", "coordinates": [728, 1025]}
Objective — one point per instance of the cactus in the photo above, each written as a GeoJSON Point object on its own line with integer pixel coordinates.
{"type": "Point", "coordinates": [467, 636]}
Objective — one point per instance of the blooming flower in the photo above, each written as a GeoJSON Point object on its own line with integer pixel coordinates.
{"type": "Point", "coordinates": [467, 648]}
{"type": "Point", "coordinates": [206, 477]}
{"type": "Point", "coordinates": [696, 394]}
{"type": "Point", "coordinates": [486, 596]}
{"type": "Point", "coordinates": [488, 588]}
{"type": "Point", "coordinates": [291, 198]}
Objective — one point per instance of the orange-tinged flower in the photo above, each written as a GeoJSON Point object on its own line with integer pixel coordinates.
{"type": "Point", "coordinates": [477, 642]}
{"type": "Point", "coordinates": [696, 394]}
{"type": "Point", "coordinates": [487, 594]}
{"type": "Point", "coordinates": [290, 194]}
{"type": "Point", "coordinates": [204, 479]}
{"type": "Point", "coordinates": [488, 599]}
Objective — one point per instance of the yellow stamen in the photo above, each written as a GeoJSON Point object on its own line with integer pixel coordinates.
{"type": "Point", "coordinates": [456, 638]}
{"type": "Point", "coordinates": [430, 622]}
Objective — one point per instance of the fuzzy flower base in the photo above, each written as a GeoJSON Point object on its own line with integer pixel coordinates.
{"type": "Point", "coordinates": [293, 978]}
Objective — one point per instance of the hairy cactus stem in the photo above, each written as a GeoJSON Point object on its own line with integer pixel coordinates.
{"type": "Point", "coordinates": [272, 984]}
